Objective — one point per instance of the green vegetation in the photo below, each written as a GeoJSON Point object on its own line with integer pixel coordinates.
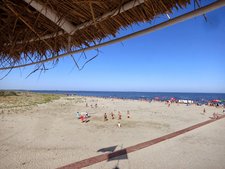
{"type": "Point", "coordinates": [12, 99]}
{"type": "Point", "coordinates": [8, 93]}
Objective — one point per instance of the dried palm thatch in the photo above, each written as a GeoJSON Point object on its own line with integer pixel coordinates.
{"type": "Point", "coordinates": [28, 35]}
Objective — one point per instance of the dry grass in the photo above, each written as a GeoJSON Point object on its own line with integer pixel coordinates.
{"type": "Point", "coordinates": [12, 99]}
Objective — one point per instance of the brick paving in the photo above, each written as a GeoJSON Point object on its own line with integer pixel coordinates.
{"type": "Point", "coordinates": [108, 156]}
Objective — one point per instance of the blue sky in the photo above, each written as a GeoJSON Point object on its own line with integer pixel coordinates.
{"type": "Point", "coordinates": [185, 57]}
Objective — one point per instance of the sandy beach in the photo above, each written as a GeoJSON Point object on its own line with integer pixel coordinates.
{"type": "Point", "coordinates": [119, 84]}
{"type": "Point", "coordinates": [49, 135]}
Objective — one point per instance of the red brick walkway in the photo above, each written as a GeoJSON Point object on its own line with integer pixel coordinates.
{"type": "Point", "coordinates": [107, 156]}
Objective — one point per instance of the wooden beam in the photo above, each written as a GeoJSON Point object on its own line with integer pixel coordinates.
{"type": "Point", "coordinates": [52, 15]}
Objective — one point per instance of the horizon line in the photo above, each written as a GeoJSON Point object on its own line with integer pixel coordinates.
{"type": "Point", "coordinates": [111, 91]}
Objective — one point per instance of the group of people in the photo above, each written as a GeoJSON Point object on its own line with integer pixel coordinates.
{"type": "Point", "coordinates": [113, 116]}
{"type": "Point", "coordinates": [214, 115]}
{"type": "Point", "coordinates": [83, 117]}
{"type": "Point", "coordinates": [96, 105]}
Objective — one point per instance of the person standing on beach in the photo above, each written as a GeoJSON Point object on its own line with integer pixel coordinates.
{"type": "Point", "coordinates": [204, 111]}
{"type": "Point", "coordinates": [86, 115]}
{"type": "Point", "coordinates": [112, 115]}
{"type": "Point", "coordinates": [215, 116]}
{"type": "Point", "coordinates": [119, 125]}
{"type": "Point", "coordinates": [119, 115]}
{"type": "Point", "coordinates": [169, 103]}
{"type": "Point", "coordinates": [128, 114]}
{"type": "Point", "coordinates": [105, 117]}
{"type": "Point", "coordinates": [82, 118]}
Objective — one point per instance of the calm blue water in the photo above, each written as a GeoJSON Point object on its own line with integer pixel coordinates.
{"type": "Point", "coordinates": [201, 97]}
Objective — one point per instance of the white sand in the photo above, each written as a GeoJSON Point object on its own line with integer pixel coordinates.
{"type": "Point", "coordinates": [50, 136]}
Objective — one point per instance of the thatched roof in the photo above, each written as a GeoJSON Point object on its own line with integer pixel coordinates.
{"type": "Point", "coordinates": [29, 33]}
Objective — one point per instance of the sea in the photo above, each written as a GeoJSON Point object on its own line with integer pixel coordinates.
{"type": "Point", "coordinates": [198, 97]}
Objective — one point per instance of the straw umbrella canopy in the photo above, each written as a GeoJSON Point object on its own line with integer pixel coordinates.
{"type": "Point", "coordinates": [35, 30]}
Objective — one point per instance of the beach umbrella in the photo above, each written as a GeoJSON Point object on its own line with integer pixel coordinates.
{"type": "Point", "coordinates": [156, 98]}
{"type": "Point", "coordinates": [216, 101]}
{"type": "Point", "coordinates": [172, 99]}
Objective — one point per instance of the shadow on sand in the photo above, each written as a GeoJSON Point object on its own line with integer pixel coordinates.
{"type": "Point", "coordinates": [107, 149]}
{"type": "Point", "coordinates": [117, 155]}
